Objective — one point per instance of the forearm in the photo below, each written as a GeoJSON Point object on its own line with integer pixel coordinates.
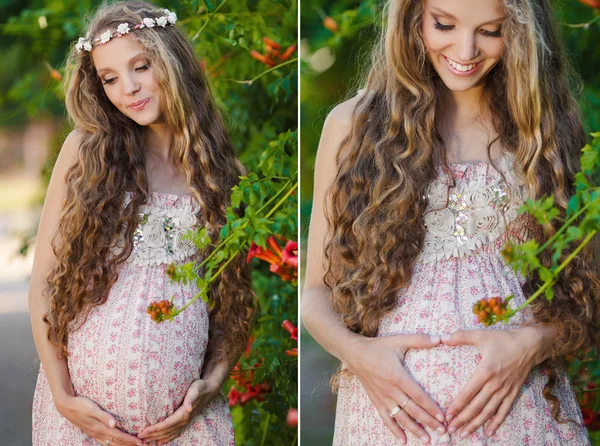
{"type": "Point", "coordinates": [325, 324]}
{"type": "Point", "coordinates": [56, 369]}
{"type": "Point", "coordinates": [216, 370]}
{"type": "Point", "coordinates": [546, 336]}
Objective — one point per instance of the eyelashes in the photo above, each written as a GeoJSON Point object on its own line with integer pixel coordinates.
{"type": "Point", "coordinates": [442, 27]}
{"type": "Point", "coordinates": [112, 79]}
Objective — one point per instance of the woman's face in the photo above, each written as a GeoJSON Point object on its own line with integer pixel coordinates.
{"type": "Point", "coordinates": [463, 39]}
{"type": "Point", "coordinates": [127, 79]}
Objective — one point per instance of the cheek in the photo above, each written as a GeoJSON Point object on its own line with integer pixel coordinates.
{"type": "Point", "coordinates": [433, 39]}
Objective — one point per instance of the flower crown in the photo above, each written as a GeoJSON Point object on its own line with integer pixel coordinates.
{"type": "Point", "coordinates": [84, 43]}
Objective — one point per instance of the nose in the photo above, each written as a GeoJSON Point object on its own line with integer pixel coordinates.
{"type": "Point", "coordinates": [466, 48]}
{"type": "Point", "coordinates": [130, 85]}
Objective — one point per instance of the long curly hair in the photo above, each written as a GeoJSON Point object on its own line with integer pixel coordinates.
{"type": "Point", "coordinates": [388, 160]}
{"type": "Point", "coordinates": [112, 160]}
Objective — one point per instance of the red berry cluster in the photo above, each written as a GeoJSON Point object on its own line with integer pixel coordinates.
{"type": "Point", "coordinates": [159, 311]}
{"type": "Point", "coordinates": [243, 379]}
{"type": "Point", "coordinates": [490, 311]}
{"type": "Point", "coordinates": [273, 55]}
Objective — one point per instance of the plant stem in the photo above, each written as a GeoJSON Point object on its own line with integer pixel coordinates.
{"type": "Point", "coordinates": [264, 437]}
{"type": "Point", "coordinates": [276, 67]}
{"type": "Point", "coordinates": [564, 227]}
{"type": "Point", "coordinates": [210, 16]}
{"type": "Point", "coordinates": [234, 255]}
{"type": "Point", "coordinates": [555, 273]}
{"type": "Point", "coordinates": [220, 245]}
{"type": "Point", "coordinates": [285, 197]}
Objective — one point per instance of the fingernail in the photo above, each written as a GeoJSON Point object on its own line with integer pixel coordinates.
{"type": "Point", "coordinates": [401, 440]}
{"type": "Point", "coordinates": [434, 339]}
{"type": "Point", "coordinates": [111, 423]}
{"type": "Point", "coordinates": [424, 439]}
{"type": "Point", "coordinates": [451, 430]}
{"type": "Point", "coordinates": [440, 418]}
{"type": "Point", "coordinates": [445, 337]}
{"type": "Point", "coordinates": [449, 417]}
{"type": "Point", "coordinates": [490, 434]}
{"type": "Point", "coordinates": [441, 430]}
{"type": "Point", "coordinates": [464, 434]}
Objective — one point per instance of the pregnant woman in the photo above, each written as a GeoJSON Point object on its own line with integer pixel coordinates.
{"type": "Point", "coordinates": [465, 114]}
{"type": "Point", "coordinates": [149, 159]}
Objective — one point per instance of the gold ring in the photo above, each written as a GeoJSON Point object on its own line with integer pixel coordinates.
{"type": "Point", "coordinates": [406, 402]}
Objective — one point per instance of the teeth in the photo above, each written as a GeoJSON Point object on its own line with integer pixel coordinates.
{"type": "Point", "coordinates": [460, 67]}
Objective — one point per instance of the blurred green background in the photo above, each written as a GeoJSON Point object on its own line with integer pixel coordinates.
{"type": "Point", "coordinates": [336, 38]}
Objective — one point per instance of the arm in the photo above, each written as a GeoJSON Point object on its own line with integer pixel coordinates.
{"type": "Point", "coordinates": [80, 411]}
{"type": "Point", "coordinates": [376, 362]}
{"type": "Point", "coordinates": [44, 260]}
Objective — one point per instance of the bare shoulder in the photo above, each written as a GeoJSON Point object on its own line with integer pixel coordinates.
{"type": "Point", "coordinates": [337, 126]}
{"type": "Point", "coordinates": [69, 152]}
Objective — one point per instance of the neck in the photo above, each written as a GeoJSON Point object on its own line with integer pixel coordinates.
{"type": "Point", "coordinates": [462, 107]}
{"type": "Point", "coordinates": [157, 139]}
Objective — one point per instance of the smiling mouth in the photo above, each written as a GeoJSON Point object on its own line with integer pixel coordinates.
{"type": "Point", "coordinates": [462, 70]}
{"type": "Point", "coordinates": [139, 104]}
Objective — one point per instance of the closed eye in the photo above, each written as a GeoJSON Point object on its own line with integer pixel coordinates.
{"type": "Point", "coordinates": [485, 32]}
{"type": "Point", "coordinates": [112, 79]}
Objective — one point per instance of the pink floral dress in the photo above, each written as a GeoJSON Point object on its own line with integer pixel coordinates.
{"type": "Point", "coordinates": [133, 368]}
{"type": "Point", "coordinates": [459, 265]}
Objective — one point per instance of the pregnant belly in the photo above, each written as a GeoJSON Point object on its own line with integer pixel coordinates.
{"type": "Point", "coordinates": [137, 370]}
{"type": "Point", "coordinates": [442, 371]}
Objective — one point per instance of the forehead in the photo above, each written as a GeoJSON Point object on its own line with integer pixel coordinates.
{"type": "Point", "coordinates": [469, 11]}
{"type": "Point", "coordinates": [117, 53]}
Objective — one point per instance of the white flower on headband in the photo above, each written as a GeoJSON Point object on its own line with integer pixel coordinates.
{"type": "Point", "coordinates": [123, 28]}
{"type": "Point", "coordinates": [105, 37]}
{"type": "Point", "coordinates": [85, 43]}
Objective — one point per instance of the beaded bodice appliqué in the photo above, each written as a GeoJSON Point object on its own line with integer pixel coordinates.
{"type": "Point", "coordinates": [160, 235]}
{"type": "Point", "coordinates": [479, 208]}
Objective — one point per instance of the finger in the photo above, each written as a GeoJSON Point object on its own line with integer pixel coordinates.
{"type": "Point", "coordinates": [472, 409]}
{"type": "Point", "coordinates": [502, 412]}
{"type": "Point", "coordinates": [390, 423]}
{"type": "Point", "coordinates": [190, 398]}
{"type": "Point", "coordinates": [418, 395]}
{"type": "Point", "coordinates": [416, 340]}
{"type": "Point", "coordinates": [169, 434]}
{"type": "Point", "coordinates": [408, 423]}
{"type": "Point", "coordinates": [174, 419]}
{"type": "Point", "coordinates": [465, 396]}
{"type": "Point", "coordinates": [419, 414]}
{"type": "Point", "coordinates": [463, 337]}
{"type": "Point", "coordinates": [162, 434]}
{"type": "Point", "coordinates": [488, 412]}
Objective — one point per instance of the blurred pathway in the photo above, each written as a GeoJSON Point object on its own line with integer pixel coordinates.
{"type": "Point", "coordinates": [18, 357]}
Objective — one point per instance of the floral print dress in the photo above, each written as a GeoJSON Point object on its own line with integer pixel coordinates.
{"type": "Point", "coordinates": [460, 264]}
{"type": "Point", "coordinates": [133, 368]}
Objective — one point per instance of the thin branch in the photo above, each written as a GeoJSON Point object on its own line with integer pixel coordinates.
{"type": "Point", "coordinates": [251, 81]}
{"type": "Point", "coordinates": [582, 25]}
{"type": "Point", "coordinates": [210, 16]}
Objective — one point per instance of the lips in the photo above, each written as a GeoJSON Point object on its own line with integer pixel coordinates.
{"type": "Point", "coordinates": [139, 105]}
{"type": "Point", "coordinates": [460, 73]}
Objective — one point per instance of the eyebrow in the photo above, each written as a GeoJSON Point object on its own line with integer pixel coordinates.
{"type": "Point", "coordinates": [137, 56]}
{"type": "Point", "coordinates": [447, 14]}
